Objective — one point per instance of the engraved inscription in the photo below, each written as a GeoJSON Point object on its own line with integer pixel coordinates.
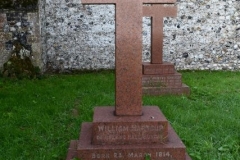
{"type": "Point", "coordinates": [143, 136]}
{"type": "Point", "coordinates": [120, 155]}
{"type": "Point", "coordinates": [157, 90]}
{"type": "Point", "coordinates": [111, 137]}
{"type": "Point", "coordinates": [131, 137]}
{"type": "Point", "coordinates": [137, 155]}
{"type": "Point", "coordinates": [163, 154]}
{"type": "Point", "coordinates": [159, 70]}
{"type": "Point", "coordinates": [125, 128]}
{"type": "Point", "coordinates": [163, 81]}
{"type": "Point", "coordinates": [113, 128]}
{"type": "Point", "coordinates": [100, 155]}
{"type": "Point", "coordinates": [131, 132]}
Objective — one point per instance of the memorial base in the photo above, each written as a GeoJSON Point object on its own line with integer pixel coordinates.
{"type": "Point", "coordinates": [85, 149]}
{"type": "Point", "coordinates": [181, 90]}
{"type": "Point", "coordinates": [162, 68]}
{"type": "Point", "coordinates": [162, 79]}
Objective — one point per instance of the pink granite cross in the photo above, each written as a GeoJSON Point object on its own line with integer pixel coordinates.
{"type": "Point", "coordinates": [157, 12]}
{"type": "Point", "coordinates": [128, 54]}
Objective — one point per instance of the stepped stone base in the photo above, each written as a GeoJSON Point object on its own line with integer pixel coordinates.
{"type": "Point", "coordinates": [162, 79]}
{"type": "Point", "coordinates": [163, 68]}
{"type": "Point", "coordinates": [183, 90]}
{"type": "Point", "coordinates": [173, 150]}
{"type": "Point", "coordinates": [84, 149]}
{"type": "Point", "coordinates": [151, 127]}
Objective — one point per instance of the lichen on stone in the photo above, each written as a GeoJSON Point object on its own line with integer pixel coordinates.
{"type": "Point", "coordinates": [19, 64]}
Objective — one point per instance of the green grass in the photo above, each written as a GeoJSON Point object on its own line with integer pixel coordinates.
{"type": "Point", "coordinates": [38, 118]}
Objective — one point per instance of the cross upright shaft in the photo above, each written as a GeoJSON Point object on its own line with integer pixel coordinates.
{"type": "Point", "coordinates": [157, 12]}
{"type": "Point", "coordinates": [128, 100]}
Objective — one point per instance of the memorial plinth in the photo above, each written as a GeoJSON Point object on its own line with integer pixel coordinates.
{"type": "Point", "coordinates": [128, 137]}
{"type": "Point", "coordinates": [151, 127]}
{"type": "Point", "coordinates": [129, 131]}
{"type": "Point", "coordinates": [160, 78]}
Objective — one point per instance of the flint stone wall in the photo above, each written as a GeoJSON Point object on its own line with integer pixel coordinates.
{"type": "Point", "coordinates": [204, 35]}
{"type": "Point", "coordinates": [20, 25]}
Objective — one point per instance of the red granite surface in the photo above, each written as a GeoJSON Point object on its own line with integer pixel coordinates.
{"type": "Point", "coordinates": [128, 53]}
{"type": "Point", "coordinates": [85, 150]}
{"type": "Point", "coordinates": [158, 12]}
{"type": "Point", "coordinates": [183, 90]}
{"type": "Point", "coordinates": [160, 68]}
{"type": "Point", "coordinates": [160, 78]}
{"type": "Point", "coordinates": [151, 127]}
{"type": "Point", "coordinates": [129, 131]}
{"type": "Point", "coordinates": [163, 80]}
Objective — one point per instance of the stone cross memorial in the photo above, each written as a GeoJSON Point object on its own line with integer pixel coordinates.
{"type": "Point", "coordinates": [160, 77]}
{"type": "Point", "coordinates": [128, 131]}
{"type": "Point", "coordinates": [158, 12]}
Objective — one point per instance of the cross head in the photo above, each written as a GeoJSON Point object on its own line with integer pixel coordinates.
{"type": "Point", "coordinates": [128, 54]}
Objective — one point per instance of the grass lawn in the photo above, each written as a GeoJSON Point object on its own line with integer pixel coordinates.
{"type": "Point", "coordinates": [38, 118]}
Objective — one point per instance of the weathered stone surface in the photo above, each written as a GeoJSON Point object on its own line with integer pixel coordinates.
{"type": "Point", "coordinates": [83, 149]}
{"type": "Point", "coordinates": [2, 18]}
{"type": "Point", "coordinates": [158, 12]}
{"type": "Point", "coordinates": [151, 127]}
{"type": "Point", "coordinates": [35, 39]}
{"type": "Point", "coordinates": [2, 46]}
{"type": "Point", "coordinates": [129, 131]}
{"type": "Point", "coordinates": [72, 150]}
{"type": "Point", "coordinates": [5, 36]}
{"type": "Point", "coordinates": [162, 68]}
{"type": "Point", "coordinates": [183, 90]}
{"type": "Point", "coordinates": [160, 78]}
{"type": "Point", "coordinates": [200, 38]}
{"type": "Point", "coordinates": [206, 35]}
{"type": "Point", "coordinates": [19, 26]}
{"type": "Point", "coordinates": [128, 55]}
{"type": "Point", "coordinates": [163, 80]}
{"type": "Point", "coordinates": [116, 1]}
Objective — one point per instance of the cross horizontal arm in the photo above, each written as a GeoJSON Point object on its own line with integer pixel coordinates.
{"type": "Point", "coordinates": [98, 1]}
{"type": "Point", "coordinates": [159, 1]}
{"type": "Point", "coordinates": [115, 1]}
{"type": "Point", "coordinates": [160, 10]}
